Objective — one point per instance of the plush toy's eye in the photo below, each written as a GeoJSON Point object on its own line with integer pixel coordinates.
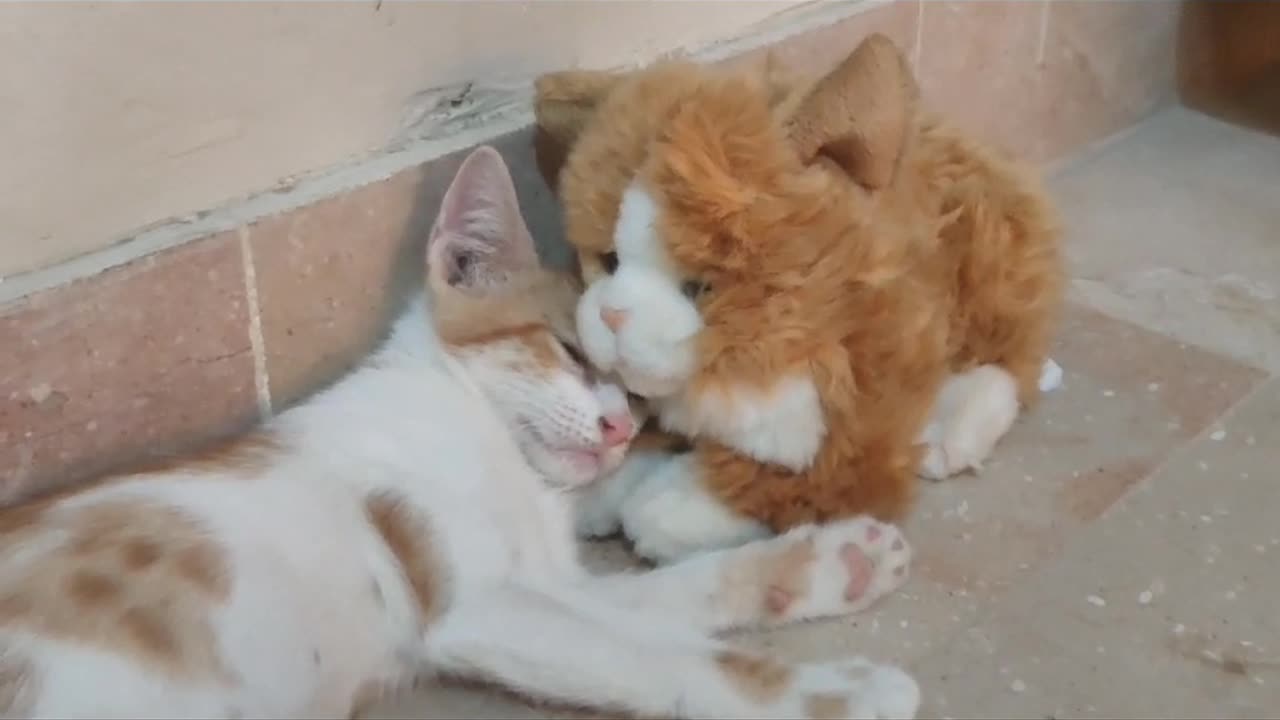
{"type": "Point", "coordinates": [693, 289]}
{"type": "Point", "coordinates": [609, 261]}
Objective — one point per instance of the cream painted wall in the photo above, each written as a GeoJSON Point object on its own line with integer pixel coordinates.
{"type": "Point", "coordinates": [115, 116]}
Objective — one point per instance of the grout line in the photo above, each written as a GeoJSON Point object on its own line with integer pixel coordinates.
{"type": "Point", "coordinates": [1001, 602]}
{"type": "Point", "coordinates": [918, 50]}
{"type": "Point", "coordinates": [261, 378]}
{"type": "Point", "coordinates": [1043, 42]}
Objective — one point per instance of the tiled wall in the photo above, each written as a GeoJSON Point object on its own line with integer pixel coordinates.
{"type": "Point", "coordinates": [197, 340]}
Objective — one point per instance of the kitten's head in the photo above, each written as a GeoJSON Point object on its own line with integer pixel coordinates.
{"type": "Point", "coordinates": [509, 322]}
{"type": "Point", "coordinates": [700, 199]}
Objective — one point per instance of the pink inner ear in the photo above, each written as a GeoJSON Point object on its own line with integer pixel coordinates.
{"type": "Point", "coordinates": [479, 237]}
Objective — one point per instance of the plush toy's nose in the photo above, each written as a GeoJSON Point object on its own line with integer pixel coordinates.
{"type": "Point", "coordinates": [616, 429]}
{"type": "Point", "coordinates": [613, 318]}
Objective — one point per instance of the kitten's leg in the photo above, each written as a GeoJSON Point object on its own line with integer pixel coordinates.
{"type": "Point", "coordinates": [972, 412]}
{"type": "Point", "coordinates": [566, 650]}
{"type": "Point", "coordinates": [671, 515]}
{"type": "Point", "coordinates": [597, 507]}
{"type": "Point", "coordinates": [809, 572]}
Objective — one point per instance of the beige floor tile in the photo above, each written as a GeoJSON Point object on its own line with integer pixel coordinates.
{"type": "Point", "coordinates": [1177, 227]}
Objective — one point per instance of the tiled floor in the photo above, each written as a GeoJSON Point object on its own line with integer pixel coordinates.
{"type": "Point", "coordinates": [1120, 557]}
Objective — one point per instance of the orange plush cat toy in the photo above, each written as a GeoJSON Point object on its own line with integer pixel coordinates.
{"type": "Point", "coordinates": [828, 291]}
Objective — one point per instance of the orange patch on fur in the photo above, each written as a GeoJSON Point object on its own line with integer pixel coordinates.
{"type": "Point", "coordinates": [245, 454]}
{"type": "Point", "coordinates": [535, 310]}
{"type": "Point", "coordinates": [824, 706]}
{"type": "Point", "coordinates": [138, 577]}
{"type": "Point", "coordinates": [845, 235]}
{"type": "Point", "coordinates": [407, 536]}
{"type": "Point", "coordinates": [758, 678]}
{"type": "Point", "coordinates": [790, 575]}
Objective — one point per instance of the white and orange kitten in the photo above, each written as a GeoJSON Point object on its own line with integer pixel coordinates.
{"type": "Point", "coordinates": [416, 518]}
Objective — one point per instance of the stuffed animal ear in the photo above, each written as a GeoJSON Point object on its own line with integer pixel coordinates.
{"type": "Point", "coordinates": [860, 115]}
{"type": "Point", "coordinates": [479, 240]}
{"type": "Point", "coordinates": [563, 104]}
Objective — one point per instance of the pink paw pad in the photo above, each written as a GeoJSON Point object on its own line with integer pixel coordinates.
{"type": "Point", "coordinates": [777, 600]}
{"type": "Point", "coordinates": [859, 567]}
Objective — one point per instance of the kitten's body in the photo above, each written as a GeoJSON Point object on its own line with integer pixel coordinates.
{"type": "Point", "coordinates": [394, 525]}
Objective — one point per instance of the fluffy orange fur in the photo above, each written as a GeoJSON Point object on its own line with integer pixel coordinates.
{"type": "Point", "coordinates": [842, 231]}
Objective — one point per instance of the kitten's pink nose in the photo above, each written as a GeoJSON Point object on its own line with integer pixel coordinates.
{"type": "Point", "coordinates": [613, 318]}
{"type": "Point", "coordinates": [616, 429]}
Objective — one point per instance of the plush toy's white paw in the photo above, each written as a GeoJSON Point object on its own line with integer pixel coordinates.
{"type": "Point", "coordinates": [973, 411]}
{"type": "Point", "coordinates": [670, 516]}
{"type": "Point", "coordinates": [835, 569]}
{"type": "Point", "coordinates": [1050, 376]}
{"type": "Point", "coordinates": [598, 507]}
{"type": "Point", "coordinates": [853, 688]}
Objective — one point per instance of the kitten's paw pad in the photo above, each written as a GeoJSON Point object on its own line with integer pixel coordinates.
{"type": "Point", "coordinates": [855, 688]}
{"type": "Point", "coordinates": [836, 569]}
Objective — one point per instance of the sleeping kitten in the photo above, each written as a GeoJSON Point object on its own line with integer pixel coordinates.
{"type": "Point", "coordinates": [416, 518]}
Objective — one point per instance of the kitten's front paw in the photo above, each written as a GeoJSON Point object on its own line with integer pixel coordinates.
{"type": "Point", "coordinates": [670, 515]}
{"type": "Point", "coordinates": [853, 688]}
{"type": "Point", "coordinates": [831, 570]}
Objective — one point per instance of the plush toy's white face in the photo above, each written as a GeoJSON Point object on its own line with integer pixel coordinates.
{"type": "Point", "coordinates": [638, 317]}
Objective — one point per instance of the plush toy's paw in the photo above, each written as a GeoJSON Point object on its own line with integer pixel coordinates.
{"type": "Point", "coordinates": [974, 411]}
{"type": "Point", "coordinates": [784, 425]}
{"type": "Point", "coordinates": [1050, 376]}
{"type": "Point", "coordinates": [597, 512]}
{"type": "Point", "coordinates": [670, 515]}
{"type": "Point", "coordinates": [852, 688]}
{"type": "Point", "coordinates": [850, 565]}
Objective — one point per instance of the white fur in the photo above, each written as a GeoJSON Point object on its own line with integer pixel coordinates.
{"type": "Point", "coordinates": [653, 351]}
{"type": "Point", "coordinates": [304, 629]}
{"type": "Point", "coordinates": [599, 506]}
{"type": "Point", "coordinates": [522, 611]}
{"type": "Point", "coordinates": [671, 516]}
{"type": "Point", "coordinates": [1050, 376]}
{"type": "Point", "coordinates": [973, 411]}
{"type": "Point", "coordinates": [784, 425]}
{"type": "Point", "coordinates": [555, 414]}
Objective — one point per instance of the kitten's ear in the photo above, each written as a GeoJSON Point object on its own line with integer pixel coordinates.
{"type": "Point", "coordinates": [479, 240]}
{"type": "Point", "coordinates": [861, 114]}
{"type": "Point", "coordinates": [563, 104]}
